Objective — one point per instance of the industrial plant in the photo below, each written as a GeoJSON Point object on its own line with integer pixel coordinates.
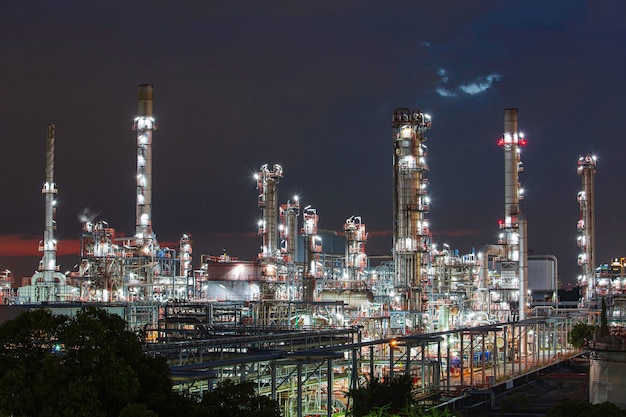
{"type": "Point", "coordinates": [313, 307]}
{"type": "Point", "coordinates": [427, 287]}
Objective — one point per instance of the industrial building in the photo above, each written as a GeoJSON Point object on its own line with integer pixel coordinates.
{"type": "Point", "coordinates": [423, 286]}
{"type": "Point", "coordinates": [317, 291]}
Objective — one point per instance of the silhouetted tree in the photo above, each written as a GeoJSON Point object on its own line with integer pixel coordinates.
{"type": "Point", "coordinates": [579, 333]}
{"type": "Point", "coordinates": [231, 399]}
{"type": "Point", "coordinates": [87, 365]}
{"type": "Point", "coordinates": [392, 395]}
{"type": "Point", "coordinates": [604, 323]}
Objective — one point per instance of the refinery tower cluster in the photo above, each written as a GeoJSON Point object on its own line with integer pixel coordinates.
{"type": "Point", "coordinates": [323, 277]}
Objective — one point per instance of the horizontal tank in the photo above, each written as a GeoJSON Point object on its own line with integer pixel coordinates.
{"type": "Point", "coordinates": [353, 298]}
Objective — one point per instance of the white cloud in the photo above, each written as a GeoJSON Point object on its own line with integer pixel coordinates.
{"type": "Point", "coordinates": [480, 84]}
{"type": "Point", "coordinates": [475, 86]}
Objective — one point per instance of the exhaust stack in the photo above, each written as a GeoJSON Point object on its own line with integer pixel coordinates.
{"type": "Point", "coordinates": [144, 125]}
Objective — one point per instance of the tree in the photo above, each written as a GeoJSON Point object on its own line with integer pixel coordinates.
{"type": "Point", "coordinates": [604, 324]}
{"type": "Point", "coordinates": [391, 395]}
{"type": "Point", "coordinates": [89, 364]}
{"type": "Point", "coordinates": [581, 332]}
{"type": "Point", "coordinates": [229, 399]}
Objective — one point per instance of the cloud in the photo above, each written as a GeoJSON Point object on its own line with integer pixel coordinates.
{"type": "Point", "coordinates": [480, 84]}
{"type": "Point", "coordinates": [475, 86]}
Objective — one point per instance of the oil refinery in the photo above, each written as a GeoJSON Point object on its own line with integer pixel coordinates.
{"type": "Point", "coordinates": [423, 286]}
{"type": "Point", "coordinates": [312, 305]}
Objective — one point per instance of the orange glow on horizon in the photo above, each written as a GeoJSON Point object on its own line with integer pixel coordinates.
{"type": "Point", "coordinates": [23, 245]}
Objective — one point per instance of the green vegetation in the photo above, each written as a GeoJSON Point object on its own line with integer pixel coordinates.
{"type": "Point", "coordinates": [389, 398]}
{"type": "Point", "coordinates": [410, 412]}
{"type": "Point", "coordinates": [91, 365]}
{"type": "Point", "coordinates": [584, 409]}
{"type": "Point", "coordinates": [237, 400]}
{"type": "Point", "coordinates": [604, 323]}
{"type": "Point", "coordinates": [393, 394]}
{"type": "Point", "coordinates": [581, 332]}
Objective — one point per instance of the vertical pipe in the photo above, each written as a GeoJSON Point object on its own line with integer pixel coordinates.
{"type": "Point", "coordinates": [329, 388]}
{"type": "Point", "coordinates": [390, 362]}
{"type": "Point", "coordinates": [471, 358]}
{"type": "Point", "coordinates": [299, 390]}
{"type": "Point", "coordinates": [448, 362]}
{"type": "Point", "coordinates": [461, 361]}
{"type": "Point", "coordinates": [372, 372]}
{"type": "Point", "coordinates": [523, 267]}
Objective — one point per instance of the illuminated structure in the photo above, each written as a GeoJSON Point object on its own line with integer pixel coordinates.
{"type": "Point", "coordinates": [6, 286]}
{"type": "Point", "coordinates": [312, 249]}
{"type": "Point", "coordinates": [356, 258]}
{"type": "Point", "coordinates": [421, 285]}
{"type": "Point", "coordinates": [185, 251]}
{"type": "Point", "coordinates": [144, 125]}
{"type": "Point", "coordinates": [100, 267]}
{"type": "Point", "coordinates": [288, 228]}
{"type": "Point", "coordinates": [267, 185]}
{"type": "Point", "coordinates": [48, 284]}
{"type": "Point", "coordinates": [511, 286]}
{"type": "Point", "coordinates": [289, 213]}
{"type": "Point", "coordinates": [586, 227]}
{"type": "Point", "coordinates": [411, 234]}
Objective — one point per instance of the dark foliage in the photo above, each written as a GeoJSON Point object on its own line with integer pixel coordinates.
{"type": "Point", "coordinates": [237, 400]}
{"type": "Point", "coordinates": [88, 365]}
{"type": "Point", "coordinates": [394, 395]}
{"type": "Point", "coordinates": [584, 409]}
{"type": "Point", "coordinates": [581, 332]}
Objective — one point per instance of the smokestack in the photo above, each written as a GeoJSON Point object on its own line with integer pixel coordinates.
{"type": "Point", "coordinates": [511, 159]}
{"type": "Point", "coordinates": [144, 125]}
{"type": "Point", "coordinates": [144, 107]}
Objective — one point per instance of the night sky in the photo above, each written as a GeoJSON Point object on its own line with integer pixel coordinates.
{"type": "Point", "coordinates": [310, 86]}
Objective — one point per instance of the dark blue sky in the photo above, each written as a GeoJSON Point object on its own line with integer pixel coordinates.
{"type": "Point", "coordinates": [311, 86]}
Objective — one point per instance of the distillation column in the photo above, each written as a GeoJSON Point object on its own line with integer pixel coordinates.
{"type": "Point", "coordinates": [289, 213]}
{"type": "Point", "coordinates": [356, 237]}
{"type": "Point", "coordinates": [514, 231]}
{"type": "Point", "coordinates": [312, 248]}
{"type": "Point", "coordinates": [144, 125]}
{"type": "Point", "coordinates": [411, 234]}
{"type": "Point", "coordinates": [267, 184]}
{"type": "Point", "coordinates": [586, 227]}
{"type": "Point", "coordinates": [184, 252]}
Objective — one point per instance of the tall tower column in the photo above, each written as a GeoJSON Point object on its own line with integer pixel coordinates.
{"type": "Point", "coordinates": [144, 125]}
{"type": "Point", "coordinates": [48, 282]}
{"type": "Point", "coordinates": [586, 227]}
{"type": "Point", "coordinates": [513, 237]}
{"type": "Point", "coordinates": [267, 184]}
{"type": "Point", "coordinates": [49, 189]}
{"type": "Point", "coordinates": [411, 234]}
